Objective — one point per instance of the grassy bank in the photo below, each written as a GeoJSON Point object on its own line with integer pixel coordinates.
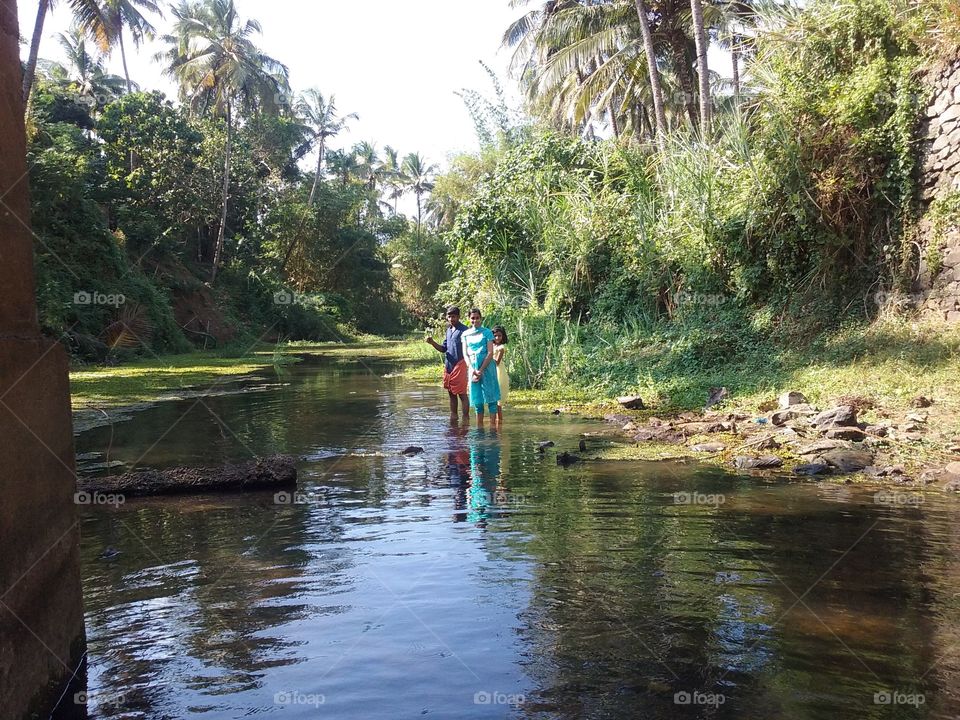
{"type": "Point", "coordinates": [882, 368]}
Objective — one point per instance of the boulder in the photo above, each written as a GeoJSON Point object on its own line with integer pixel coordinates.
{"type": "Point", "coordinates": [717, 394]}
{"type": "Point", "coordinates": [921, 402]}
{"type": "Point", "coordinates": [794, 412]}
{"type": "Point", "coordinates": [764, 462]}
{"type": "Point", "coordinates": [412, 450]}
{"type": "Point", "coordinates": [631, 402]}
{"type": "Point", "coordinates": [848, 460]}
{"type": "Point", "coordinates": [846, 433]}
{"type": "Point", "coordinates": [890, 471]}
{"type": "Point", "coordinates": [953, 468]}
{"type": "Point", "coordinates": [701, 428]}
{"type": "Point", "coordinates": [708, 447]}
{"type": "Point", "coordinates": [823, 445]}
{"type": "Point", "coordinates": [791, 398]}
{"type": "Point", "coordinates": [767, 442]}
{"type": "Point", "coordinates": [812, 469]}
{"type": "Point", "coordinates": [840, 416]}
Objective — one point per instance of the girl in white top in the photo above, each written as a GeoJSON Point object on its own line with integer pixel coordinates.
{"type": "Point", "coordinates": [500, 341]}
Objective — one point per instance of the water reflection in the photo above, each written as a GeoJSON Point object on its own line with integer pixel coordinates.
{"type": "Point", "coordinates": [478, 573]}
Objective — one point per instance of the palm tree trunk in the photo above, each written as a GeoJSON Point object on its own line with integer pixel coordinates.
{"type": "Point", "coordinates": [221, 233]}
{"type": "Point", "coordinates": [123, 57]}
{"type": "Point", "coordinates": [735, 59]}
{"type": "Point", "coordinates": [31, 69]}
{"type": "Point", "coordinates": [700, 39]}
{"type": "Point", "coordinates": [681, 59]}
{"type": "Point", "coordinates": [614, 125]}
{"type": "Point", "coordinates": [316, 179]}
{"type": "Point", "coordinates": [419, 195]}
{"type": "Point", "coordinates": [655, 83]}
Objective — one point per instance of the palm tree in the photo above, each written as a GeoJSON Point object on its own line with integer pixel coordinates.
{"type": "Point", "coordinates": [84, 72]}
{"type": "Point", "coordinates": [220, 70]}
{"type": "Point", "coordinates": [703, 71]}
{"type": "Point", "coordinates": [393, 175]}
{"type": "Point", "coordinates": [120, 14]}
{"type": "Point", "coordinates": [580, 59]}
{"type": "Point", "coordinates": [735, 22]}
{"type": "Point", "coordinates": [320, 115]}
{"type": "Point", "coordinates": [655, 83]}
{"type": "Point", "coordinates": [420, 181]}
{"type": "Point", "coordinates": [344, 165]}
{"type": "Point", "coordinates": [87, 14]}
{"type": "Point", "coordinates": [368, 163]}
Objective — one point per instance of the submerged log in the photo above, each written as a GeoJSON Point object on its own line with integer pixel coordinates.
{"type": "Point", "coordinates": [274, 472]}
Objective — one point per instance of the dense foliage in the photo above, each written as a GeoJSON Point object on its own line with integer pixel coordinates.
{"type": "Point", "coordinates": [163, 224]}
{"type": "Point", "coordinates": [624, 265]}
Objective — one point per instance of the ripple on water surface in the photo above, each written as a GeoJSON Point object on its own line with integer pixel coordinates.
{"type": "Point", "coordinates": [479, 579]}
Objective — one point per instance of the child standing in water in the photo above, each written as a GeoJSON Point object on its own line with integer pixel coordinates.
{"type": "Point", "coordinates": [500, 341]}
{"type": "Point", "coordinates": [478, 352]}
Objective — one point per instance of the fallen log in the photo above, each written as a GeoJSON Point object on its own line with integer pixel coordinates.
{"type": "Point", "coordinates": [274, 472]}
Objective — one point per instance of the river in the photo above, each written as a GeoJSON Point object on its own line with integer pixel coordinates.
{"type": "Point", "coordinates": [482, 580]}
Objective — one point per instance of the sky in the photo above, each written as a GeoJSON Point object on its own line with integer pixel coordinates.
{"type": "Point", "coordinates": [396, 64]}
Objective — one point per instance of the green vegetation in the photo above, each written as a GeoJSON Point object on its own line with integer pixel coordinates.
{"type": "Point", "coordinates": [147, 380]}
{"type": "Point", "coordinates": [166, 226]}
{"type": "Point", "coordinates": [739, 234]}
{"type": "Point", "coordinates": [756, 258]}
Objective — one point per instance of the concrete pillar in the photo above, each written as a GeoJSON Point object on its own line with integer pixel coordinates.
{"type": "Point", "coordinates": [41, 612]}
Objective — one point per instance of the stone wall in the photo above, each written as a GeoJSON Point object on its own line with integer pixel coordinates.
{"type": "Point", "coordinates": [939, 278]}
{"type": "Point", "coordinates": [41, 612]}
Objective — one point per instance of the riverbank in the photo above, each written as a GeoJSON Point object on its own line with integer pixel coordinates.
{"type": "Point", "coordinates": [902, 379]}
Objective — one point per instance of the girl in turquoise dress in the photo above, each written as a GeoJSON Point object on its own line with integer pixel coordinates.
{"type": "Point", "coordinates": [478, 352]}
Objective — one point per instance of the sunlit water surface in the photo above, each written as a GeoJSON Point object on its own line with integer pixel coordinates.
{"type": "Point", "coordinates": [481, 580]}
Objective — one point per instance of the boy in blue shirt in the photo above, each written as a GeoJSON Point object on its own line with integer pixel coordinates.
{"type": "Point", "coordinates": [454, 366]}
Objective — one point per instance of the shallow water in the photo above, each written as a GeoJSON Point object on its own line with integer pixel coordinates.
{"type": "Point", "coordinates": [481, 580]}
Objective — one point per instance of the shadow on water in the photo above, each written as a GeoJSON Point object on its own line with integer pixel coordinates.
{"type": "Point", "coordinates": [479, 579]}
